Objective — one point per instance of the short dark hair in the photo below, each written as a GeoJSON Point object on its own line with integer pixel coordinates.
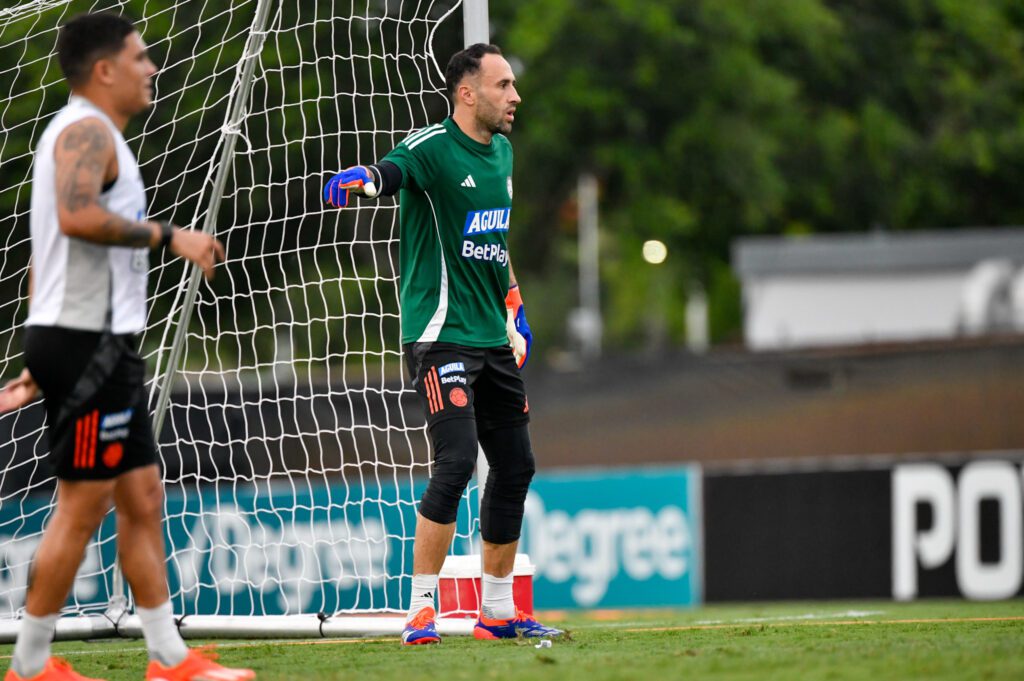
{"type": "Point", "coordinates": [466, 61]}
{"type": "Point", "coordinates": [86, 39]}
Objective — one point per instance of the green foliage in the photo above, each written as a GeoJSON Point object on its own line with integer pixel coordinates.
{"type": "Point", "coordinates": [704, 120]}
{"type": "Point", "coordinates": [711, 119]}
{"type": "Point", "coordinates": [725, 305]}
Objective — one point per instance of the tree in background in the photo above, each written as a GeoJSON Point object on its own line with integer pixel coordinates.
{"type": "Point", "coordinates": [711, 119]}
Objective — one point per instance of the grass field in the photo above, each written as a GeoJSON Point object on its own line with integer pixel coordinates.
{"type": "Point", "coordinates": [795, 641]}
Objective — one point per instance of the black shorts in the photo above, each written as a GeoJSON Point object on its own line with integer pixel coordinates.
{"type": "Point", "coordinates": [97, 413]}
{"type": "Point", "coordinates": [456, 381]}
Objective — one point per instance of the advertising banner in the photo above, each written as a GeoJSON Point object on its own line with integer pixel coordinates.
{"type": "Point", "coordinates": [596, 538]}
{"type": "Point", "coordinates": [957, 530]}
{"type": "Point", "coordinates": [785, 535]}
{"type": "Point", "coordinates": [284, 550]}
{"type": "Point", "coordinates": [21, 523]}
{"type": "Point", "coordinates": [615, 538]}
{"type": "Point", "coordinates": [903, 530]}
{"type": "Point", "coordinates": [251, 549]}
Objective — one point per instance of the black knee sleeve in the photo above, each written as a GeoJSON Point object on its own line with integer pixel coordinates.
{"type": "Point", "coordinates": [512, 467]}
{"type": "Point", "coordinates": [455, 450]}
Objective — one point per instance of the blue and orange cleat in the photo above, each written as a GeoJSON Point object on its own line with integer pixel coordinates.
{"type": "Point", "coordinates": [514, 627]}
{"type": "Point", "coordinates": [421, 629]}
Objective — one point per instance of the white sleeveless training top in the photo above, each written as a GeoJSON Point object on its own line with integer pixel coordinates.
{"type": "Point", "coordinates": [78, 284]}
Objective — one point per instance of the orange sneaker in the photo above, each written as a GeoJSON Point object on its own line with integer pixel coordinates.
{"type": "Point", "coordinates": [198, 666]}
{"type": "Point", "coordinates": [56, 669]}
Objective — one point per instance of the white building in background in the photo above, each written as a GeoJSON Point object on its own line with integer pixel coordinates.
{"type": "Point", "coordinates": [843, 289]}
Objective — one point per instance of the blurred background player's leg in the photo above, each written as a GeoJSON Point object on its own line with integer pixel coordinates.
{"type": "Point", "coordinates": [138, 498]}
{"type": "Point", "coordinates": [81, 505]}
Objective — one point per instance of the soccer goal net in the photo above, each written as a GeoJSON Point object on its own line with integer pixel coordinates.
{"type": "Point", "coordinates": [293, 449]}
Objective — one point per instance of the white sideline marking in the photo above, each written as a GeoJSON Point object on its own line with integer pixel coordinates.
{"type": "Point", "coordinates": [849, 614]}
{"type": "Point", "coordinates": [613, 625]}
{"type": "Point", "coordinates": [796, 618]}
{"type": "Point", "coordinates": [829, 623]}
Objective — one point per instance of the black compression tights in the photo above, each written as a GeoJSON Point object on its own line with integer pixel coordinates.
{"type": "Point", "coordinates": [512, 467]}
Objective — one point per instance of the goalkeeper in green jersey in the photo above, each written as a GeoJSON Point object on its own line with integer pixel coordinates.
{"type": "Point", "coordinates": [464, 329]}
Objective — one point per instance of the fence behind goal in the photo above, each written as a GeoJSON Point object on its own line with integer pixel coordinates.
{"type": "Point", "coordinates": [293, 449]}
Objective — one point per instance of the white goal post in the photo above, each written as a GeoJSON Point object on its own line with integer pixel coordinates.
{"type": "Point", "coordinates": [293, 447]}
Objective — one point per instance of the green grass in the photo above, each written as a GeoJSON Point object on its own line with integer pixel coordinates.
{"type": "Point", "coordinates": [792, 642]}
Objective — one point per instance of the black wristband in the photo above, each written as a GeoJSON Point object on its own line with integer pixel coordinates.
{"type": "Point", "coordinates": [388, 177]}
{"type": "Point", "coordinates": [166, 234]}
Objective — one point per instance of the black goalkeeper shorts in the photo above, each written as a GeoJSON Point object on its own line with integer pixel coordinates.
{"type": "Point", "coordinates": [94, 394]}
{"type": "Point", "coordinates": [456, 381]}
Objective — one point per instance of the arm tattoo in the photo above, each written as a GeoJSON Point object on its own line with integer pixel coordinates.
{"type": "Point", "coordinates": [84, 147]}
{"type": "Point", "coordinates": [82, 163]}
{"type": "Point", "coordinates": [118, 231]}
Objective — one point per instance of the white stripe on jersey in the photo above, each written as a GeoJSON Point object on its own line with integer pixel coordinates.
{"type": "Point", "coordinates": [436, 323]}
{"type": "Point", "coordinates": [419, 133]}
{"type": "Point", "coordinates": [423, 139]}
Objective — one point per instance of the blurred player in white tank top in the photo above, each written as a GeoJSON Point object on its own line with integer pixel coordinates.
{"type": "Point", "coordinates": [90, 257]}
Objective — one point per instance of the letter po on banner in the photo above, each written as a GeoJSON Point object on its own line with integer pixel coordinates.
{"type": "Point", "coordinates": [956, 527]}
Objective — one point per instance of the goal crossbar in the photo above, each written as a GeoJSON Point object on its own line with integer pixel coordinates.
{"type": "Point", "coordinates": [249, 627]}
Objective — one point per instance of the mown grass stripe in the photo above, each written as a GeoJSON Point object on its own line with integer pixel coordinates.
{"type": "Point", "coordinates": [824, 623]}
{"type": "Point", "coordinates": [240, 644]}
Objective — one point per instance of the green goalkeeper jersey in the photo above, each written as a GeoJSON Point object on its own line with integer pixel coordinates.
{"type": "Point", "coordinates": [454, 209]}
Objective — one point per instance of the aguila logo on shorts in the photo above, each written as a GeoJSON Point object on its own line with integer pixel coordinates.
{"type": "Point", "coordinates": [458, 397]}
{"type": "Point", "coordinates": [450, 367]}
{"type": "Point", "coordinates": [114, 426]}
{"type": "Point", "coordinates": [486, 221]}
